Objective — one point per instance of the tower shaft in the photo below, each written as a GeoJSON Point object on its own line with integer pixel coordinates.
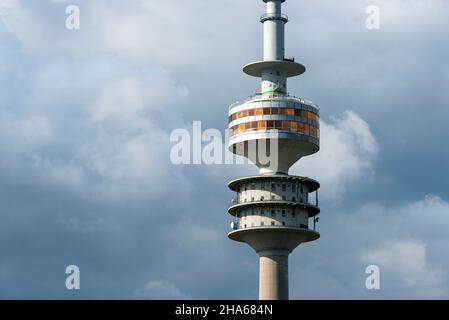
{"type": "Point", "coordinates": [273, 275]}
{"type": "Point", "coordinates": [272, 210]}
{"type": "Point", "coordinates": [274, 21]}
{"type": "Point", "coordinates": [274, 35]}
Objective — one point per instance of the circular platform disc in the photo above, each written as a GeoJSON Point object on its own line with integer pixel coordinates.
{"type": "Point", "coordinates": [255, 69]}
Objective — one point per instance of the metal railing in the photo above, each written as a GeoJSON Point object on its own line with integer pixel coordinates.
{"type": "Point", "coordinates": [273, 16]}
{"type": "Point", "coordinates": [307, 136]}
{"type": "Point", "coordinates": [238, 202]}
{"type": "Point", "coordinates": [259, 95]}
{"type": "Point", "coordinates": [238, 226]}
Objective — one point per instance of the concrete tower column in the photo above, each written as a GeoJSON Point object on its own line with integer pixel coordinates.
{"type": "Point", "coordinates": [273, 277]}
{"type": "Point", "coordinates": [274, 81]}
{"type": "Point", "coordinates": [274, 35]}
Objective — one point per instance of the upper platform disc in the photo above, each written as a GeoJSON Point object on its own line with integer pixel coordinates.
{"type": "Point", "coordinates": [256, 69]}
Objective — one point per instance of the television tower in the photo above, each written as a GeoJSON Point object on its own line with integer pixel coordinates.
{"type": "Point", "coordinates": [274, 130]}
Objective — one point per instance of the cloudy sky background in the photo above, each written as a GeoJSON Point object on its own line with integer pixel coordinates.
{"type": "Point", "coordinates": [85, 173]}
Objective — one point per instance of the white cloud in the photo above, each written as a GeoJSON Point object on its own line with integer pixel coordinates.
{"type": "Point", "coordinates": [406, 261]}
{"type": "Point", "coordinates": [160, 290]}
{"type": "Point", "coordinates": [348, 150]}
{"type": "Point", "coordinates": [407, 242]}
{"type": "Point", "coordinates": [167, 34]}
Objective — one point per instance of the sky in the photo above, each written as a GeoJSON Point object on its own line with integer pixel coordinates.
{"type": "Point", "coordinates": [85, 122]}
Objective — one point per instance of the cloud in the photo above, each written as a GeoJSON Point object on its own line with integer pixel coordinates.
{"type": "Point", "coordinates": [129, 31]}
{"type": "Point", "coordinates": [160, 290]}
{"type": "Point", "coordinates": [348, 151]}
{"type": "Point", "coordinates": [31, 132]}
{"type": "Point", "coordinates": [407, 242]}
{"type": "Point", "coordinates": [406, 260]}
{"type": "Point", "coordinates": [96, 124]}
